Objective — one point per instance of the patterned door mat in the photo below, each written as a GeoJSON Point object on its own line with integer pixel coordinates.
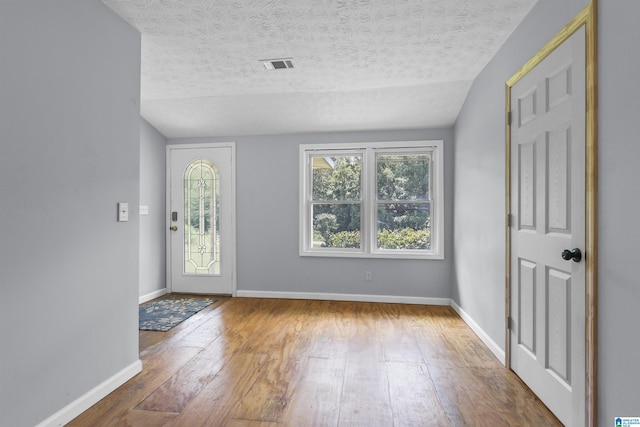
{"type": "Point", "coordinates": [166, 312]}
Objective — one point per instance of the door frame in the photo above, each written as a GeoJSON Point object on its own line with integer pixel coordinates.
{"type": "Point", "coordinates": [587, 18]}
{"type": "Point", "coordinates": [232, 244]}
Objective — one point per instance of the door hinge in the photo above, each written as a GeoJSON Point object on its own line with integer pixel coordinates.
{"type": "Point", "coordinates": [510, 324]}
{"type": "Point", "coordinates": [509, 117]}
{"type": "Point", "coordinates": [508, 220]}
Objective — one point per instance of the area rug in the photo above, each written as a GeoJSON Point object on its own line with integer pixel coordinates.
{"type": "Point", "coordinates": [166, 312]}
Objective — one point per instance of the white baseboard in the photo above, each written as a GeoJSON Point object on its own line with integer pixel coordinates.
{"type": "Point", "coordinates": [78, 406]}
{"type": "Point", "coordinates": [152, 295]}
{"type": "Point", "coordinates": [344, 297]}
{"type": "Point", "coordinates": [486, 339]}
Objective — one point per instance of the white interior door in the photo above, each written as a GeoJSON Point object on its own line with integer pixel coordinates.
{"type": "Point", "coordinates": [201, 206]}
{"type": "Point", "coordinates": [547, 324]}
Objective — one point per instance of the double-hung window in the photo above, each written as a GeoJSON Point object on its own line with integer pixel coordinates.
{"type": "Point", "coordinates": [372, 200]}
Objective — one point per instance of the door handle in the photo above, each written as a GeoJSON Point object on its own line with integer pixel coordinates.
{"type": "Point", "coordinates": [572, 254]}
{"type": "Point", "coordinates": [173, 228]}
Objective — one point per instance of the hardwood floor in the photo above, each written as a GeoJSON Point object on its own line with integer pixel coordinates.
{"type": "Point", "coordinates": [264, 362]}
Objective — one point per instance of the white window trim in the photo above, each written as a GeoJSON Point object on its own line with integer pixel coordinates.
{"type": "Point", "coordinates": [368, 193]}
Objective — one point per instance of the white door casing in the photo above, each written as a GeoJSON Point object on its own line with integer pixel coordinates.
{"type": "Point", "coordinates": [217, 238]}
{"type": "Point", "coordinates": [547, 301]}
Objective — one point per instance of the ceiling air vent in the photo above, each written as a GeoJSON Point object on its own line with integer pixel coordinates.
{"type": "Point", "coordinates": [278, 64]}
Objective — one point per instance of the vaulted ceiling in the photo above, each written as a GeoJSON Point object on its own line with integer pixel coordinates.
{"type": "Point", "coordinates": [359, 64]}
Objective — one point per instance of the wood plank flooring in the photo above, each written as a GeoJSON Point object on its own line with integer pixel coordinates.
{"type": "Point", "coordinates": [246, 362]}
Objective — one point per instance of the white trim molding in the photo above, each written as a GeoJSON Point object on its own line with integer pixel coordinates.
{"type": "Point", "coordinates": [344, 297]}
{"type": "Point", "coordinates": [486, 339]}
{"type": "Point", "coordinates": [151, 295]}
{"type": "Point", "coordinates": [93, 396]}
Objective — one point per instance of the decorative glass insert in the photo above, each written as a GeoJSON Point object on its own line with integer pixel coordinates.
{"type": "Point", "coordinates": [201, 213]}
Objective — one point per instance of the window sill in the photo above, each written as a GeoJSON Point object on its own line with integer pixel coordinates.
{"type": "Point", "coordinates": [376, 255]}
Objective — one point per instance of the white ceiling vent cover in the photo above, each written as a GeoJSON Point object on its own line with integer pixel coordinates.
{"type": "Point", "coordinates": [278, 64]}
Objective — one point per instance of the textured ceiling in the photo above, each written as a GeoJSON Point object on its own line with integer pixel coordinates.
{"type": "Point", "coordinates": [360, 64]}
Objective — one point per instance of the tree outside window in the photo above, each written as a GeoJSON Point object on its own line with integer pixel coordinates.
{"type": "Point", "coordinates": [370, 199]}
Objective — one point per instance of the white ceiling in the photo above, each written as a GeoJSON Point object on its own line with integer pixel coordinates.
{"type": "Point", "coordinates": [360, 64]}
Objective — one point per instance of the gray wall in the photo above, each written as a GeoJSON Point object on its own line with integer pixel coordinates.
{"type": "Point", "coordinates": [478, 284]}
{"type": "Point", "coordinates": [479, 195]}
{"type": "Point", "coordinates": [619, 228]}
{"type": "Point", "coordinates": [267, 224]}
{"type": "Point", "coordinates": [152, 194]}
{"type": "Point", "coordinates": [69, 141]}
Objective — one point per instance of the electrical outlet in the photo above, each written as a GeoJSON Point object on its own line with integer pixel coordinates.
{"type": "Point", "coordinates": [367, 276]}
{"type": "Point", "coordinates": [123, 211]}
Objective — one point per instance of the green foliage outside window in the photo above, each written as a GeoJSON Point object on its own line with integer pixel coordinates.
{"type": "Point", "coordinates": [402, 191]}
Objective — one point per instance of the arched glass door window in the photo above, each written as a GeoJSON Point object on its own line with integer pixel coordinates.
{"type": "Point", "coordinates": [201, 213]}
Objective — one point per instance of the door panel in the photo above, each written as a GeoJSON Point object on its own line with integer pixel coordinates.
{"type": "Point", "coordinates": [559, 324]}
{"type": "Point", "coordinates": [548, 210]}
{"type": "Point", "coordinates": [527, 190]}
{"type": "Point", "coordinates": [527, 309]}
{"type": "Point", "coordinates": [201, 241]}
{"type": "Point", "coordinates": [558, 180]}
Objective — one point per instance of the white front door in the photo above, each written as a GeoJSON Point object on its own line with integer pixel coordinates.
{"type": "Point", "coordinates": [201, 205]}
{"type": "Point", "coordinates": [547, 324]}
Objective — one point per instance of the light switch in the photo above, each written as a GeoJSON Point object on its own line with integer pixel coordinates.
{"type": "Point", "coordinates": [123, 211]}
{"type": "Point", "coordinates": [144, 209]}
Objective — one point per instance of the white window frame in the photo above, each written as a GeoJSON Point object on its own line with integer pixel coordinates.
{"type": "Point", "coordinates": [369, 198]}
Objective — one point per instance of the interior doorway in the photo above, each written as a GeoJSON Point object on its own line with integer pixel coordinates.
{"type": "Point", "coordinates": [551, 222]}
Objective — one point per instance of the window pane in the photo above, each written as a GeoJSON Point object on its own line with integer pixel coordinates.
{"type": "Point", "coordinates": [403, 177]}
{"type": "Point", "coordinates": [336, 225]}
{"type": "Point", "coordinates": [404, 226]}
{"type": "Point", "coordinates": [201, 212]}
{"type": "Point", "coordinates": [336, 178]}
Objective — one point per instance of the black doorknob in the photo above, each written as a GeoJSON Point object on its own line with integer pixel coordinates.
{"type": "Point", "coordinates": [572, 254]}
